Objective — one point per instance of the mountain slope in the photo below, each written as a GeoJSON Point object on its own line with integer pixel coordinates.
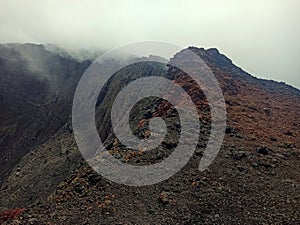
{"type": "Point", "coordinates": [36, 89]}
{"type": "Point", "coordinates": [254, 179]}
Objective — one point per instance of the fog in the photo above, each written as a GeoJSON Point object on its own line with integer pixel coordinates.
{"type": "Point", "coordinates": [262, 37]}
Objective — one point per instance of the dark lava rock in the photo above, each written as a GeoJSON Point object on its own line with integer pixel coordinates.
{"type": "Point", "coordinates": [230, 130]}
{"type": "Point", "coordinates": [268, 111]}
{"type": "Point", "coordinates": [273, 139]}
{"type": "Point", "coordinates": [288, 133]}
{"type": "Point", "coordinates": [289, 145]}
{"type": "Point", "coordinates": [238, 154]}
{"type": "Point", "coordinates": [263, 150]}
{"type": "Point", "coordinates": [169, 145]}
{"type": "Point", "coordinates": [165, 198]}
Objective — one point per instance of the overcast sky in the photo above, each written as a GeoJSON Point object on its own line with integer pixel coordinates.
{"type": "Point", "coordinates": [261, 36]}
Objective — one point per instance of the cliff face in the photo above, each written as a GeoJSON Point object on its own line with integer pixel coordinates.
{"type": "Point", "coordinates": [36, 89]}
{"type": "Point", "coordinates": [254, 179]}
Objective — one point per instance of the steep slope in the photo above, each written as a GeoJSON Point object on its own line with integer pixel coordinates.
{"type": "Point", "coordinates": [260, 109]}
{"type": "Point", "coordinates": [36, 89]}
{"type": "Point", "coordinates": [254, 179]}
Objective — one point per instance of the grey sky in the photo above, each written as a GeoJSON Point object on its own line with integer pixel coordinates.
{"type": "Point", "coordinates": [261, 36]}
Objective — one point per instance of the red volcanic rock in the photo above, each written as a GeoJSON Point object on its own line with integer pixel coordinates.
{"type": "Point", "coordinates": [10, 214]}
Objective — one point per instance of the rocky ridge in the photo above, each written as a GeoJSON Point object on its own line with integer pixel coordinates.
{"type": "Point", "coordinates": [254, 180]}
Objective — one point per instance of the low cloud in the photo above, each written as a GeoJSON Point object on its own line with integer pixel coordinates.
{"type": "Point", "coordinates": [260, 36]}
